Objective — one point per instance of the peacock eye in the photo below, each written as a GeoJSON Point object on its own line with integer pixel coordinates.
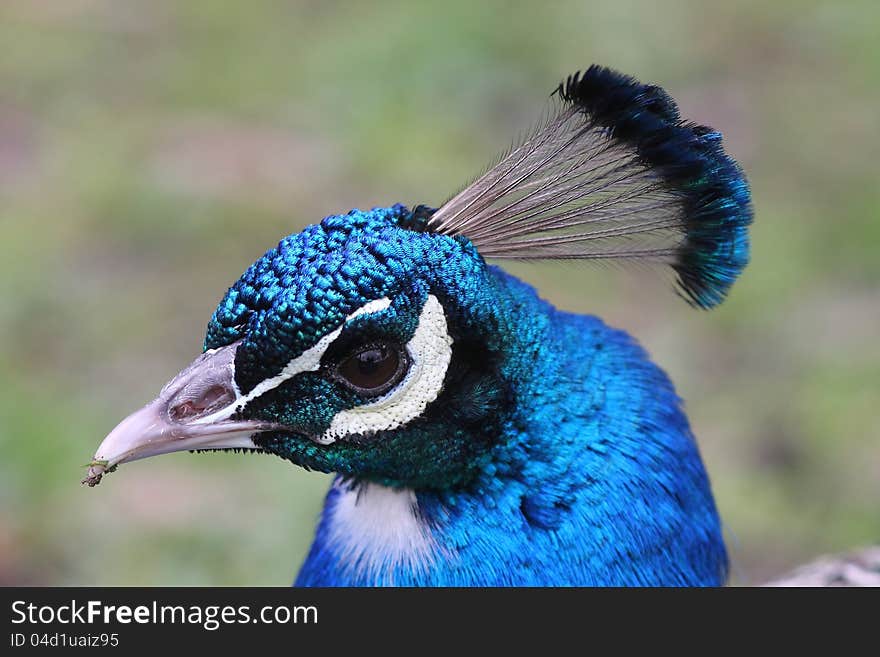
{"type": "Point", "coordinates": [374, 369]}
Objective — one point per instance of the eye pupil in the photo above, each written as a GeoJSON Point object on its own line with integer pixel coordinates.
{"type": "Point", "coordinates": [373, 370]}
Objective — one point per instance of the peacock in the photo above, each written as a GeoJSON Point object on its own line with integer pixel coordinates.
{"type": "Point", "coordinates": [479, 435]}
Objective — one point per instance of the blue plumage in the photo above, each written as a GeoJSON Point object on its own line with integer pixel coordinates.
{"type": "Point", "coordinates": [594, 480]}
{"type": "Point", "coordinates": [481, 436]}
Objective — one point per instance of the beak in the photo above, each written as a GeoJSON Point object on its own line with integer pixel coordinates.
{"type": "Point", "coordinates": [191, 413]}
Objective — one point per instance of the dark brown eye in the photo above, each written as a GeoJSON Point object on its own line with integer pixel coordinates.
{"type": "Point", "coordinates": [374, 369]}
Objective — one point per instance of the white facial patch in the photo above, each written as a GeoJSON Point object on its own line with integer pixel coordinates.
{"type": "Point", "coordinates": [308, 361]}
{"type": "Point", "coordinates": [430, 351]}
{"type": "Point", "coordinates": [374, 529]}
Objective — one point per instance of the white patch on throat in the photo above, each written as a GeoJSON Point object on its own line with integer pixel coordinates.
{"type": "Point", "coordinates": [374, 529]}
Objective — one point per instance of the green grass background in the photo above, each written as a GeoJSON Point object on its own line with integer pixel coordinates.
{"type": "Point", "coordinates": [150, 151]}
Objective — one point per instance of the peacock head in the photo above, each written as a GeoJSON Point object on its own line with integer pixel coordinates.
{"type": "Point", "coordinates": [378, 344]}
{"type": "Point", "coordinates": [363, 345]}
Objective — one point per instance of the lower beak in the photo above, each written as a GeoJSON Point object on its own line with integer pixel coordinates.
{"type": "Point", "coordinates": [189, 414]}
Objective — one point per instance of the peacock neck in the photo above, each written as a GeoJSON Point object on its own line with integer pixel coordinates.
{"type": "Point", "coordinates": [596, 479]}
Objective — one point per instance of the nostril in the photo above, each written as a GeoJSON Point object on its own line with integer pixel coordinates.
{"type": "Point", "coordinates": [183, 411]}
{"type": "Point", "coordinates": [191, 406]}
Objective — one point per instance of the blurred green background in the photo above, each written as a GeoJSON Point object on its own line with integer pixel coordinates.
{"type": "Point", "coordinates": [150, 151]}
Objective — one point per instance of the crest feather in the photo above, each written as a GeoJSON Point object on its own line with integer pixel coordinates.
{"type": "Point", "coordinates": [613, 173]}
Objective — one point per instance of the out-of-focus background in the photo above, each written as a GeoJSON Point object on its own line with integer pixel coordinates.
{"type": "Point", "coordinates": [150, 151]}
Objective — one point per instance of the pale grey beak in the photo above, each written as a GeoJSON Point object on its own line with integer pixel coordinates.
{"type": "Point", "coordinates": [191, 412]}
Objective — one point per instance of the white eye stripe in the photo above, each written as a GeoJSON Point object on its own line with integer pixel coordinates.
{"type": "Point", "coordinates": [308, 361]}
{"type": "Point", "coordinates": [430, 351]}
{"type": "Point", "coordinates": [374, 306]}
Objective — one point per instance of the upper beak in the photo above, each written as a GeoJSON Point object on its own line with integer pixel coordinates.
{"type": "Point", "coordinates": [191, 412]}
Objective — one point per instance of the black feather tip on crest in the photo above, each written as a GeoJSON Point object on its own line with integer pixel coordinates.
{"type": "Point", "coordinates": [614, 174]}
{"type": "Point", "coordinates": [689, 157]}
